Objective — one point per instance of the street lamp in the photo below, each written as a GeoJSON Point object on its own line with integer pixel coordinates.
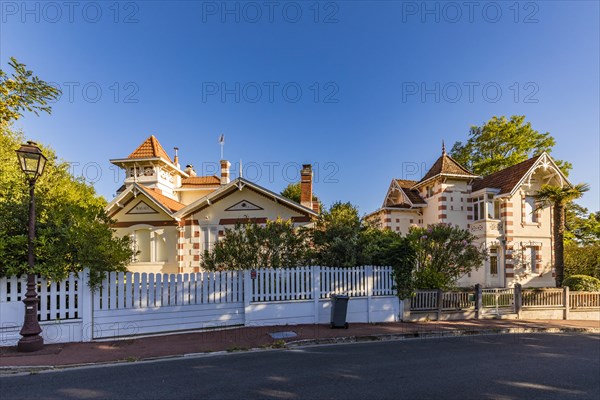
{"type": "Point", "coordinates": [32, 162]}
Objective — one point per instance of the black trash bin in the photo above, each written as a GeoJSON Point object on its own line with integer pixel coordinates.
{"type": "Point", "coordinates": [339, 309]}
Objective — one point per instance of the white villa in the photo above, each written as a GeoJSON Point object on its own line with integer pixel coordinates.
{"type": "Point", "coordinates": [498, 209]}
{"type": "Point", "coordinates": [172, 215]}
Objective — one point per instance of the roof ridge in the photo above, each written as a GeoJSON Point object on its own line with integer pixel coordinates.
{"type": "Point", "coordinates": [516, 165]}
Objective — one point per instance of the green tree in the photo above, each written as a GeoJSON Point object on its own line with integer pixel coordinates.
{"type": "Point", "coordinates": [582, 260]}
{"type": "Point", "coordinates": [22, 91]}
{"type": "Point", "coordinates": [277, 244]}
{"type": "Point", "coordinates": [443, 254]}
{"type": "Point", "coordinates": [501, 143]}
{"type": "Point", "coordinates": [292, 192]}
{"type": "Point", "coordinates": [559, 197]}
{"type": "Point", "coordinates": [72, 229]}
{"type": "Point", "coordinates": [336, 236]}
{"type": "Point", "coordinates": [581, 226]}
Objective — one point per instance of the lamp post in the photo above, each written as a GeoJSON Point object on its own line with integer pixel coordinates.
{"type": "Point", "coordinates": [32, 162]}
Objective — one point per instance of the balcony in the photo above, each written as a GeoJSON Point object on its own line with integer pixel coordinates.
{"type": "Point", "coordinates": [491, 227]}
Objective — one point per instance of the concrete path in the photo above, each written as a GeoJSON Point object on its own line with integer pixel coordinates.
{"type": "Point", "coordinates": [244, 338]}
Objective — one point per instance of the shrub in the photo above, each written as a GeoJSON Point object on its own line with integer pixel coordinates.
{"type": "Point", "coordinates": [582, 283]}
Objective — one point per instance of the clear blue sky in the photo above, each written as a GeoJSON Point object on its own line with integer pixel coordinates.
{"type": "Point", "coordinates": [382, 83]}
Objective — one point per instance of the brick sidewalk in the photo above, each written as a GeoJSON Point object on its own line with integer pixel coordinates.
{"type": "Point", "coordinates": [254, 337]}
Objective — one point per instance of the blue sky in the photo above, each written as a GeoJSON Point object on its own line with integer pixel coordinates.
{"type": "Point", "coordinates": [366, 91]}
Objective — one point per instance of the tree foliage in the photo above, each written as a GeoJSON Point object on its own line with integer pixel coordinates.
{"type": "Point", "coordinates": [250, 245]}
{"type": "Point", "coordinates": [581, 226]}
{"type": "Point", "coordinates": [443, 254]}
{"type": "Point", "coordinates": [336, 236]}
{"type": "Point", "coordinates": [582, 260]}
{"type": "Point", "coordinates": [72, 229]}
{"type": "Point", "coordinates": [22, 91]}
{"type": "Point", "coordinates": [292, 192]}
{"type": "Point", "coordinates": [501, 143]}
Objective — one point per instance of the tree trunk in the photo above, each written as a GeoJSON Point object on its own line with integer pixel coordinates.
{"type": "Point", "coordinates": [559, 233]}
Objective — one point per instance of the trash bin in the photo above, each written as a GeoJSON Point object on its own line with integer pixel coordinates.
{"type": "Point", "coordinates": [339, 309]}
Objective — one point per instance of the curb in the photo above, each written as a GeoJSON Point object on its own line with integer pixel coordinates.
{"type": "Point", "coordinates": [29, 370]}
{"type": "Point", "coordinates": [434, 335]}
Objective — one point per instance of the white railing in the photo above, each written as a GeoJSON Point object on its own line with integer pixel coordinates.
{"type": "Point", "coordinates": [282, 284]}
{"type": "Point", "coordinates": [303, 283]}
{"type": "Point", "coordinates": [141, 290]}
{"type": "Point", "coordinates": [458, 301]}
{"type": "Point", "coordinates": [543, 298]}
{"type": "Point", "coordinates": [58, 300]}
{"type": "Point", "coordinates": [584, 300]}
{"type": "Point", "coordinates": [424, 300]}
{"type": "Point", "coordinates": [350, 281]}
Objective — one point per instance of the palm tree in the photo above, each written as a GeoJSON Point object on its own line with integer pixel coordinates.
{"type": "Point", "coordinates": [558, 197]}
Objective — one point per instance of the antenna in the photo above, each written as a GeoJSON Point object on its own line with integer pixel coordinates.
{"type": "Point", "coordinates": [222, 143]}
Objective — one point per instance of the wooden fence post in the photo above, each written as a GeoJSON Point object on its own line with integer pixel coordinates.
{"type": "Point", "coordinates": [478, 301]}
{"type": "Point", "coordinates": [86, 297]}
{"type": "Point", "coordinates": [369, 276]}
{"type": "Point", "coordinates": [566, 302]}
{"type": "Point", "coordinates": [247, 295]}
{"type": "Point", "coordinates": [316, 290]}
{"type": "Point", "coordinates": [518, 299]}
{"type": "Point", "coordinates": [440, 298]}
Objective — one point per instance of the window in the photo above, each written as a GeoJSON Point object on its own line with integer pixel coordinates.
{"type": "Point", "coordinates": [149, 245]}
{"type": "Point", "coordinates": [530, 212]}
{"type": "Point", "coordinates": [209, 237]}
{"type": "Point", "coordinates": [493, 207]}
{"type": "Point", "coordinates": [493, 261]}
{"type": "Point", "coordinates": [532, 258]}
{"type": "Point", "coordinates": [140, 240]}
{"type": "Point", "coordinates": [429, 191]}
{"type": "Point", "coordinates": [478, 208]}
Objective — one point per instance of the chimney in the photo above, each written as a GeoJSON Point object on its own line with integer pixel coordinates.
{"type": "Point", "coordinates": [189, 169]}
{"type": "Point", "coordinates": [225, 172]}
{"type": "Point", "coordinates": [176, 158]}
{"type": "Point", "coordinates": [306, 177]}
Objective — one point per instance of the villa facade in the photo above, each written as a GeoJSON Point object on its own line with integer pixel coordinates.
{"type": "Point", "coordinates": [172, 215]}
{"type": "Point", "coordinates": [498, 209]}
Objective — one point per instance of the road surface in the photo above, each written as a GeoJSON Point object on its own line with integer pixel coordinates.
{"type": "Point", "coordinates": [518, 366]}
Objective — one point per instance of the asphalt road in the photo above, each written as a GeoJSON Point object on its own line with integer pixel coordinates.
{"type": "Point", "coordinates": [528, 366]}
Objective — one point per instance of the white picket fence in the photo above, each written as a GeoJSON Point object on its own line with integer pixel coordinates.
{"type": "Point", "coordinates": [144, 303]}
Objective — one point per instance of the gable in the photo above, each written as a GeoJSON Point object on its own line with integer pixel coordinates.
{"type": "Point", "coordinates": [245, 204]}
{"type": "Point", "coordinates": [142, 208]}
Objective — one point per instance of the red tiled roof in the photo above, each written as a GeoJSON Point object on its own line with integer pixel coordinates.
{"type": "Point", "coordinates": [201, 181]}
{"type": "Point", "coordinates": [446, 165]}
{"type": "Point", "coordinates": [168, 202]}
{"type": "Point", "coordinates": [507, 179]}
{"type": "Point", "coordinates": [149, 149]}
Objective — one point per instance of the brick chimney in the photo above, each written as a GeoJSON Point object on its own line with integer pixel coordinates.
{"type": "Point", "coordinates": [306, 178]}
{"type": "Point", "coordinates": [225, 172]}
